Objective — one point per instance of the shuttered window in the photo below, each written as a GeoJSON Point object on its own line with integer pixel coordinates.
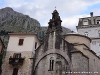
{"type": "Point", "coordinates": [21, 42]}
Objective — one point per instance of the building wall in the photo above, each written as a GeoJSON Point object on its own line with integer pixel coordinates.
{"type": "Point", "coordinates": [78, 39]}
{"type": "Point", "coordinates": [28, 43]}
{"type": "Point", "coordinates": [80, 63]}
{"type": "Point", "coordinates": [60, 56]}
{"type": "Point", "coordinates": [93, 32]}
{"type": "Point", "coordinates": [90, 26]}
{"type": "Point", "coordinates": [27, 51]}
{"type": "Point", "coordinates": [95, 46]}
{"type": "Point", "coordinates": [25, 69]}
{"type": "Point", "coordinates": [94, 60]}
{"type": "Point", "coordinates": [60, 65]}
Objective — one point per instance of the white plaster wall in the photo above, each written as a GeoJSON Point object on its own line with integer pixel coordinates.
{"type": "Point", "coordinates": [92, 32]}
{"type": "Point", "coordinates": [96, 47]}
{"type": "Point", "coordinates": [26, 50]}
{"type": "Point", "coordinates": [28, 44]}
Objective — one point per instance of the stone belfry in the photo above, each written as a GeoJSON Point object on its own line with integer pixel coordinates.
{"type": "Point", "coordinates": [53, 56]}
{"type": "Point", "coordinates": [55, 27]}
{"type": "Point", "coordinates": [55, 22]}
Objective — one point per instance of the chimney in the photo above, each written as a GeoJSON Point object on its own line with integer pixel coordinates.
{"type": "Point", "coordinates": [91, 14]}
{"type": "Point", "coordinates": [92, 20]}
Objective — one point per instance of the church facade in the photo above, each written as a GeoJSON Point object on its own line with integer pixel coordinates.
{"type": "Point", "coordinates": [57, 55]}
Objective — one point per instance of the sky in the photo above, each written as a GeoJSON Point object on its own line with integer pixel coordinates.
{"type": "Point", "coordinates": [69, 10]}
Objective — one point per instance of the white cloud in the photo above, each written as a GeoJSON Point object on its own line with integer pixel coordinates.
{"type": "Point", "coordinates": [72, 21]}
{"type": "Point", "coordinates": [70, 10]}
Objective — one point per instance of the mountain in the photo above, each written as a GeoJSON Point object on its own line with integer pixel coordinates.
{"type": "Point", "coordinates": [12, 21]}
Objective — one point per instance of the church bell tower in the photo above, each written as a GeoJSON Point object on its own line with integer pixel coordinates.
{"type": "Point", "coordinates": [55, 22]}
{"type": "Point", "coordinates": [53, 56]}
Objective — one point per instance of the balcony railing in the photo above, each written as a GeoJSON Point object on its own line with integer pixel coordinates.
{"type": "Point", "coordinates": [16, 60]}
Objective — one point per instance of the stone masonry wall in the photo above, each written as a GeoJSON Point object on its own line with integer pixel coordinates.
{"type": "Point", "coordinates": [79, 64]}
{"type": "Point", "coordinates": [24, 69]}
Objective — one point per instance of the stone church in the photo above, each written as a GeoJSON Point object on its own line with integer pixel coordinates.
{"type": "Point", "coordinates": [58, 54]}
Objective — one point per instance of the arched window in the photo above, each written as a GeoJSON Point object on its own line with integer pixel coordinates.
{"type": "Point", "coordinates": [86, 33]}
{"type": "Point", "coordinates": [51, 64]}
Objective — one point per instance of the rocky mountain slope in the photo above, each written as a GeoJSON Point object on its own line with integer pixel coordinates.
{"type": "Point", "coordinates": [13, 21]}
